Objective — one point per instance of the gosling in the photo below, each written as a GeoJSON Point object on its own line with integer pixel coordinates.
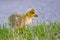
{"type": "Point", "coordinates": [19, 20]}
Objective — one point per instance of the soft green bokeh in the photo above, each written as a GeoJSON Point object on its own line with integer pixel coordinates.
{"type": "Point", "coordinates": [38, 32]}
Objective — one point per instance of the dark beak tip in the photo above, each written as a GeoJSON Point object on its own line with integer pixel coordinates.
{"type": "Point", "coordinates": [36, 16]}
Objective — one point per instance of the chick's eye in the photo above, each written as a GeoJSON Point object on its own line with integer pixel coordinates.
{"type": "Point", "coordinates": [32, 12]}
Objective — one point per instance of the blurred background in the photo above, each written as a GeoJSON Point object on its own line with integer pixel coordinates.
{"type": "Point", "coordinates": [46, 9]}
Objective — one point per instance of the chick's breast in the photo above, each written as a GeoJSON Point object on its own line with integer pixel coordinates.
{"type": "Point", "coordinates": [28, 20]}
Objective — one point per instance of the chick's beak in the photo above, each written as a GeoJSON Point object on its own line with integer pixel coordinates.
{"type": "Point", "coordinates": [35, 15]}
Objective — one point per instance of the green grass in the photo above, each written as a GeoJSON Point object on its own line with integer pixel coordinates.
{"type": "Point", "coordinates": [39, 32]}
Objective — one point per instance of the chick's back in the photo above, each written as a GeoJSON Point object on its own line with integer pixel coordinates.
{"type": "Point", "coordinates": [15, 19]}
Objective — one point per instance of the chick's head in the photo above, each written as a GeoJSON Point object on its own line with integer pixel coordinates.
{"type": "Point", "coordinates": [31, 12]}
